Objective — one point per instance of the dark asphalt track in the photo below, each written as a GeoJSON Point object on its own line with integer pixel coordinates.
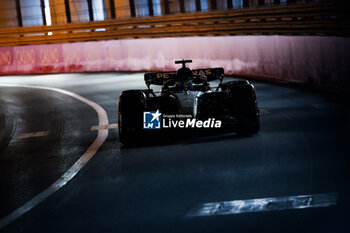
{"type": "Point", "coordinates": [302, 148]}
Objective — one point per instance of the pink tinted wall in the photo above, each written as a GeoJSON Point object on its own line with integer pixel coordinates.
{"type": "Point", "coordinates": [325, 60]}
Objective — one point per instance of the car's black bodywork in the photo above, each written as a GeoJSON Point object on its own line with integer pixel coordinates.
{"type": "Point", "coordinates": [188, 92]}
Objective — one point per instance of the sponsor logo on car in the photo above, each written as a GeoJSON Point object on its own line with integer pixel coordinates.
{"type": "Point", "coordinates": [167, 75]}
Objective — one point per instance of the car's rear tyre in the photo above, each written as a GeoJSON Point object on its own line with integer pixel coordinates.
{"type": "Point", "coordinates": [130, 112]}
{"type": "Point", "coordinates": [245, 107]}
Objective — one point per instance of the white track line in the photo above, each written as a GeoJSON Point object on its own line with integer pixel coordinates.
{"type": "Point", "coordinates": [263, 204]}
{"type": "Point", "coordinates": [72, 171]}
{"type": "Point", "coordinates": [99, 127]}
{"type": "Point", "coordinates": [33, 134]}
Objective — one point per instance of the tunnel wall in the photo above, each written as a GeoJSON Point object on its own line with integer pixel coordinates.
{"type": "Point", "coordinates": [324, 61]}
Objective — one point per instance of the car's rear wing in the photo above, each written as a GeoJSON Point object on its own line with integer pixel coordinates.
{"type": "Point", "coordinates": [158, 78]}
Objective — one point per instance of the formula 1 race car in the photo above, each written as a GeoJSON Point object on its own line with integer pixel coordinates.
{"type": "Point", "coordinates": [187, 101]}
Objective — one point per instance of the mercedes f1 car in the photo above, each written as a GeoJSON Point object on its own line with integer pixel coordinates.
{"type": "Point", "coordinates": [187, 100]}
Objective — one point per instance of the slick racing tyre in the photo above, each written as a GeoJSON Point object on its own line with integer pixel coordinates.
{"type": "Point", "coordinates": [245, 107]}
{"type": "Point", "coordinates": [130, 112]}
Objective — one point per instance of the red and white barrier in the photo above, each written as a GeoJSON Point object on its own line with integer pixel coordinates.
{"type": "Point", "coordinates": [325, 60]}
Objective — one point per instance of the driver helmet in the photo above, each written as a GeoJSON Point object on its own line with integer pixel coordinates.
{"type": "Point", "coordinates": [184, 74]}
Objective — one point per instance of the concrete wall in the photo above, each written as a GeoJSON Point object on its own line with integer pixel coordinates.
{"type": "Point", "coordinates": [322, 60]}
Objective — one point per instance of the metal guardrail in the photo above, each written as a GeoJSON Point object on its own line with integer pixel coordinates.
{"type": "Point", "coordinates": [311, 19]}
